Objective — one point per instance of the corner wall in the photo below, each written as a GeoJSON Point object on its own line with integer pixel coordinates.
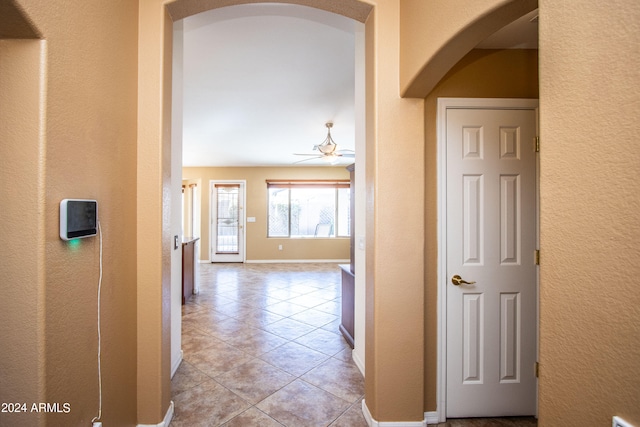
{"type": "Point", "coordinates": [394, 365]}
{"type": "Point", "coordinates": [153, 234]}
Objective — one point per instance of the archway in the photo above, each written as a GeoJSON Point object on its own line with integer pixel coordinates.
{"type": "Point", "coordinates": [453, 40]}
{"type": "Point", "coordinates": [154, 250]}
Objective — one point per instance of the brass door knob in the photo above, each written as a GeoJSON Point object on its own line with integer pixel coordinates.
{"type": "Point", "coordinates": [457, 280]}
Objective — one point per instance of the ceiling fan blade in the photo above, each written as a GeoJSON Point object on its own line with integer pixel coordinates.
{"type": "Point", "coordinates": [314, 155]}
{"type": "Point", "coordinates": [306, 160]}
{"type": "Point", "coordinates": [352, 155]}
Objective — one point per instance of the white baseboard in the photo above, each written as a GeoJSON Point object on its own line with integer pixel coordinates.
{"type": "Point", "coordinates": [296, 261]}
{"type": "Point", "coordinates": [431, 417]}
{"type": "Point", "coordinates": [374, 423]}
{"type": "Point", "coordinates": [166, 421]}
{"type": "Point", "coordinates": [176, 365]}
{"type": "Point", "coordinates": [359, 363]}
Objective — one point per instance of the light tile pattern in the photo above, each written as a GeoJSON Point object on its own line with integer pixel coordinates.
{"type": "Point", "coordinates": [262, 348]}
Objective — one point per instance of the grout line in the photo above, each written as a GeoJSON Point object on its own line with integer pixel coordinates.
{"type": "Point", "coordinates": [261, 327]}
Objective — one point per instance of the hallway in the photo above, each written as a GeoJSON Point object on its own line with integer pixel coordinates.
{"type": "Point", "coordinates": [262, 348]}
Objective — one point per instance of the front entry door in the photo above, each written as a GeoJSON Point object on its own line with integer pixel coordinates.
{"type": "Point", "coordinates": [491, 241]}
{"type": "Point", "coordinates": [227, 221]}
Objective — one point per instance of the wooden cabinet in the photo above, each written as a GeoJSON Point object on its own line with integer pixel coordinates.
{"type": "Point", "coordinates": [188, 268]}
{"type": "Point", "coordinates": [347, 323]}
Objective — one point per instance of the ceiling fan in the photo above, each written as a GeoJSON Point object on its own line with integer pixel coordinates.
{"type": "Point", "coordinates": [328, 150]}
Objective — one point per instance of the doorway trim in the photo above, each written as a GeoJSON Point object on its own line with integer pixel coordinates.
{"type": "Point", "coordinates": [443, 105]}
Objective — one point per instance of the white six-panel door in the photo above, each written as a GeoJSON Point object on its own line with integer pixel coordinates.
{"type": "Point", "coordinates": [490, 239]}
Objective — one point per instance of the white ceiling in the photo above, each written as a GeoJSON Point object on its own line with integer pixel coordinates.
{"type": "Point", "coordinates": [261, 81]}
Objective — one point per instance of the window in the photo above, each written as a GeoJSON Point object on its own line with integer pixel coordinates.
{"type": "Point", "coordinates": [309, 209]}
{"type": "Point", "coordinates": [227, 218]}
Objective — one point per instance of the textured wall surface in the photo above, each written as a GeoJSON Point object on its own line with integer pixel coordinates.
{"type": "Point", "coordinates": [153, 233]}
{"type": "Point", "coordinates": [87, 137]}
{"type": "Point", "coordinates": [590, 217]}
{"type": "Point", "coordinates": [395, 229]}
{"type": "Point", "coordinates": [21, 228]}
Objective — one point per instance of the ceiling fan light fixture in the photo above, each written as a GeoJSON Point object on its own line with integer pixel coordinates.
{"type": "Point", "coordinates": [328, 146]}
{"type": "Point", "coordinates": [329, 152]}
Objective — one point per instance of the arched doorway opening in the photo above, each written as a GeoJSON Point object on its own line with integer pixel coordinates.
{"type": "Point", "coordinates": [153, 269]}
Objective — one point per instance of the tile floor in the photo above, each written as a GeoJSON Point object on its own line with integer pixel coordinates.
{"type": "Point", "coordinates": [262, 348]}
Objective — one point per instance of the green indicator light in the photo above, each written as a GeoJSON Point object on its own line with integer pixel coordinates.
{"type": "Point", "coordinates": [74, 244]}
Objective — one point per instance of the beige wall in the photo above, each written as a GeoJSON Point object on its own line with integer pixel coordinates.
{"type": "Point", "coordinates": [480, 74]}
{"type": "Point", "coordinates": [590, 217]}
{"type": "Point", "coordinates": [153, 233]}
{"type": "Point", "coordinates": [394, 365]}
{"type": "Point", "coordinates": [436, 35]}
{"type": "Point", "coordinates": [87, 137]}
{"type": "Point", "coordinates": [259, 247]}
{"type": "Point", "coordinates": [21, 228]}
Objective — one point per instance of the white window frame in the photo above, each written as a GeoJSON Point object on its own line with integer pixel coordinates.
{"type": "Point", "coordinates": [320, 184]}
